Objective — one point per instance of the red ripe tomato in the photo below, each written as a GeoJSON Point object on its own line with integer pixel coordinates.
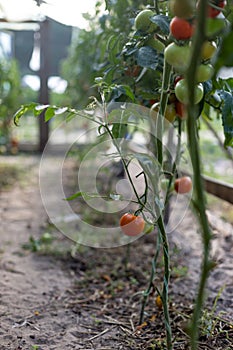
{"type": "Point", "coordinates": [152, 102]}
{"type": "Point", "coordinates": [183, 184]}
{"type": "Point", "coordinates": [180, 110]}
{"type": "Point", "coordinates": [131, 224]}
{"type": "Point", "coordinates": [181, 29]}
{"type": "Point", "coordinates": [132, 71]}
{"type": "Point", "coordinates": [213, 12]}
{"type": "Point", "coordinates": [177, 78]}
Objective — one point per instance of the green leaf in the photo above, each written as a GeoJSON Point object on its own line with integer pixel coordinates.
{"type": "Point", "coordinates": [119, 130]}
{"type": "Point", "coordinates": [151, 167]}
{"type": "Point", "coordinates": [74, 196]}
{"type": "Point", "coordinates": [147, 57]}
{"type": "Point", "coordinates": [163, 22]}
{"type": "Point", "coordinates": [227, 117]}
{"type": "Point", "coordinates": [149, 228]}
{"type": "Point", "coordinates": [119, 90]}
{"type": "Point", "coordinates": [50, 112]}
{"type": "Point", "coordinates": [70, 116]}
{"type": "Point", "coordinates": [128, 91]}
{"type": "Point", "coordinates": [225, 56]}
{"type": "Point", "coordinates": [113, 48]}
{"type": "Point", "coordinates": [22, 111]}
{"type": "Point", "coordinates": [84, 195]}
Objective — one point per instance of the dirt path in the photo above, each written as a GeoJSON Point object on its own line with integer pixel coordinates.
{"type": "Point", "coordinates": [92, 301]}
{"type": "Point", "coordinates": [31, 287]}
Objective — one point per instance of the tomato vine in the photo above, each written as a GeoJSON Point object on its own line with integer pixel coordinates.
{"type": "Point", "coordinates": [154, 64]}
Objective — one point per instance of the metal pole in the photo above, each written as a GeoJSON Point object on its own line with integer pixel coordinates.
{"type": "Point", "coordinates": [44, 75]}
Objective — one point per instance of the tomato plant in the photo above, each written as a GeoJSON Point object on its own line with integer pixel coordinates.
{"type": "Point", "coordinates": [131, 224]}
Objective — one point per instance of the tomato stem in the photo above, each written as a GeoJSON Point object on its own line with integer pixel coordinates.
{"type": "Point", "coordinates": [158, 127]}
{"type": "Point", "coordinates": [157, 142]}
{"type": "Point", "coordinates": [164, 296]}
{"type": "Point", "coordinates": [199, 195]}
{"type": "Point", "coordinates": [152, 276]}
{"type": "Point", "coordinates": [176, 161]}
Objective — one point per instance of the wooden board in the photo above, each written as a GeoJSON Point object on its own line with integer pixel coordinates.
{"type": "Point", "coordinates": [219, 188]}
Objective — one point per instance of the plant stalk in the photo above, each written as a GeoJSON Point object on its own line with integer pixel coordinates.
{"type": "Point", "coordinates": [157, 141]}
{"type": "Point", "coordinates": [150, 285]}
{"type": "Point", "coordinates": [164, 295]}
{"type": "Point", "coordinates": [159, 125]}
{"type": "Point", "coordinates": [199, 194]}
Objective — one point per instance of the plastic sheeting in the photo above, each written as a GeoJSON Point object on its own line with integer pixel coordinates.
{"type": "Point", "coordinates": [68, 12]}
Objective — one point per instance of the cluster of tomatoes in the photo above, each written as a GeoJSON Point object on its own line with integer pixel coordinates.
{"type": "Point", "coordinates": [177, 54]}
{"type": "Point", "coordinates": [133, 225]}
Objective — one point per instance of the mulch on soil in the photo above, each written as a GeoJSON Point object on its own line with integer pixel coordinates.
{"type": "Point", "coordinates": [107, 299]}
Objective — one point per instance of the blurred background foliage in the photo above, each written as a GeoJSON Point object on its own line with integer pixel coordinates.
{"type": "Point", "coordinates": [96, 51]}
{"type": "Point", "coordinates": [10, 97]}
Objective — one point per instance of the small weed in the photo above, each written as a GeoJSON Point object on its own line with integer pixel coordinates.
{"type": "Point", "coordinates": [179, 271]}
{"type": "Point", "coordinates": [209, 322]}
{"type": "Point", "coordinates": [35, 245]}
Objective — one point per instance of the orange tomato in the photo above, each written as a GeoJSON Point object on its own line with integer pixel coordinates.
{"type": "Point", "coordinates": [131, 224]}
{"type": "Point", "coordinates": [183, 184]}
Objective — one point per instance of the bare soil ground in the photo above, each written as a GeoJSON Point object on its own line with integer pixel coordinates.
{"type": "Point", "coordinates": [90, 299]}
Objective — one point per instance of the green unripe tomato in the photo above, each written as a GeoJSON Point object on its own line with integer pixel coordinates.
{"type": "Point", "coordinates": [181, 92]}
{"type": "Point", "coordinates": [143, 22]}
{"type": "Point", "coordinates": [164, 184]}
{"type": "Point", "coordinates": [182, 8]}
{"type": "Point", "coordinates": [178, 56]}
{"type": "Point", "coordinates": [214, 27]}
{"type": "Point", "coordinates": [204, 72]}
